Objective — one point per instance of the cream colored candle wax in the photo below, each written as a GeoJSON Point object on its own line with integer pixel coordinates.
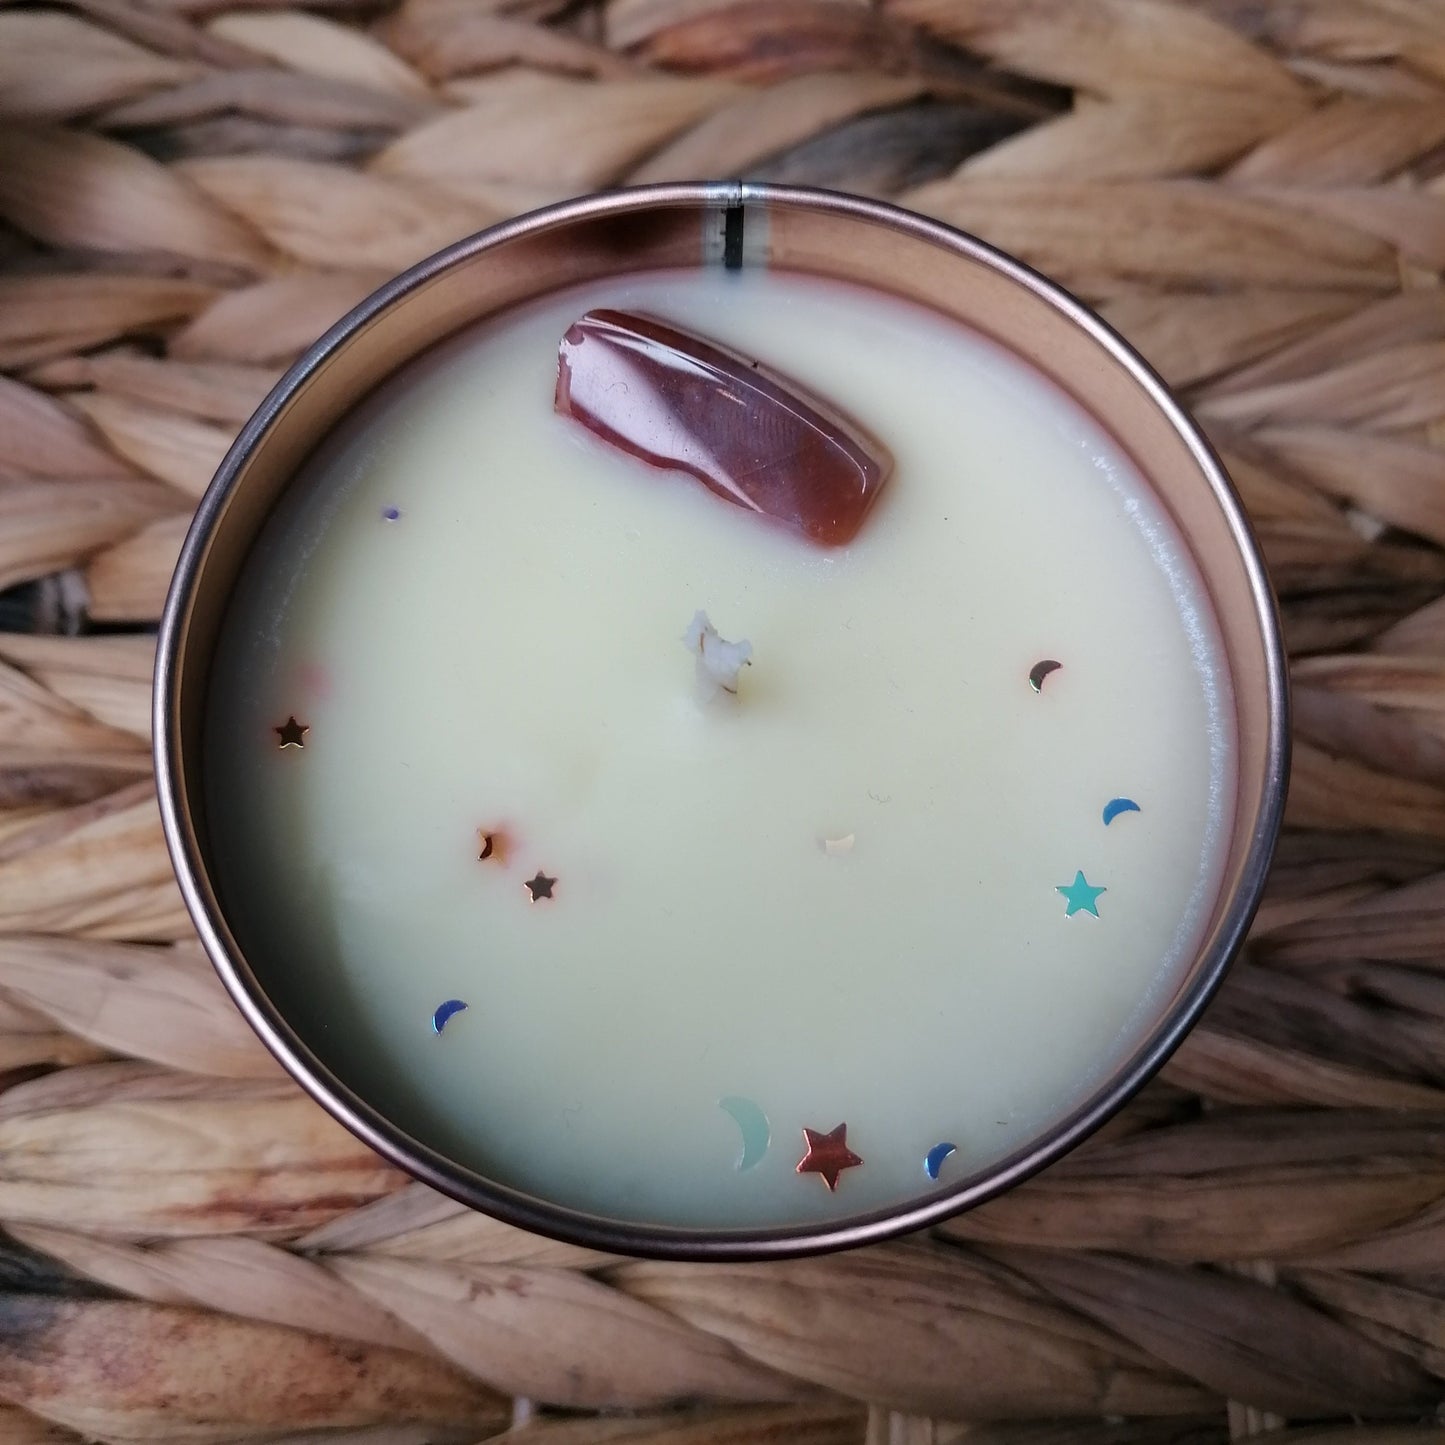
{"type": "Point", "coordinates": [892, 884]}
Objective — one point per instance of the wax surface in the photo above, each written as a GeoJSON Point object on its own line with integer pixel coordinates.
{"type": "Point", "coordinates": [476, 608]}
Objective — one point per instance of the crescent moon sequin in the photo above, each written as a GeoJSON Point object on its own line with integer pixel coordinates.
{"type": "Point", "coordinates": [1115, 806]}
{"type": "Point", "coordinates": [1040, 670]}
{"type": "Point", "coordinates": [444, 1012]}
{"type": "Point", "coordinates": [753, 1124]}
{"type": "Point", "coordinates": [933, 1160]}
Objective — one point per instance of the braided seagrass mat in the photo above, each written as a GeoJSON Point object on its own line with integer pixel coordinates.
{"type": "Point", "coordinates": [1254, 192]}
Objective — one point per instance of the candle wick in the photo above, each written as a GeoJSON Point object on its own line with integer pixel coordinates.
{"type": "Point", "coordinates": [718, 661]}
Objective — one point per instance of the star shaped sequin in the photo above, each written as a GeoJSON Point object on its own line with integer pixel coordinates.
{"type": "Point", "coordinates": [539, 887]}
{"type": "Point", "coordinates": [1082, 896]}
{"type": "Point", "coordinates": [291, 733]}
{"type": "Point", "coordinates": [828, 1155]}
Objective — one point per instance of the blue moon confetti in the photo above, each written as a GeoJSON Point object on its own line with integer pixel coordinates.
{"type": "Point", "coordinates": [390, 514]}
{"type": "Point", "coordinates": [1040, 670]}
{"type": "Point", "coordinates": [444, 1012]}
{"type": "Point", "coordinates": [933, 1160]}
{"type": "Point", "coordinates": [1115, 806]}
{"type": "Point", "coordinates": [753, 1124]}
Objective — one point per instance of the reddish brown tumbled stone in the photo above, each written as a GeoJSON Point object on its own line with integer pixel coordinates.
{"type": "Point", "coordinates": [756, 438]}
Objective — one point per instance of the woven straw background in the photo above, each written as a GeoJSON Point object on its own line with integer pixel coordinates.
{"type": "Point", "coordinates": [1254, 192]}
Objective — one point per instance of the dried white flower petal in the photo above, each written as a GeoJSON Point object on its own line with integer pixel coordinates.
{"type": "Point", "coordinates": [718, 661]}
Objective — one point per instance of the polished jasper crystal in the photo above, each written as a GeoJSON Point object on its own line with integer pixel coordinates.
{"type": "Point", "coordinates": [756, 438]}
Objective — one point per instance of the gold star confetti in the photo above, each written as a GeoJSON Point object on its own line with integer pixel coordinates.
{"type": "Point", "coordinates": [291, 733]}
{"type": "Point", "coordinates": [539, 887]}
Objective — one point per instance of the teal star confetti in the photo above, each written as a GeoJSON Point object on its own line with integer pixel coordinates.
{"type": "Point", "coordinates": [1081, 896]}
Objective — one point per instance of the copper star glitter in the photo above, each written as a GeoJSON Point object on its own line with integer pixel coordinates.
{"type": "Point", "coordinates": [828, 1155]}
{"type": "Point", "coordinates": [539, 887]}
{"type": "Point", "coordinates": [291, 733]}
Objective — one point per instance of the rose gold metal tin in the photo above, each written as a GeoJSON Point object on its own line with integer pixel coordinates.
{"type": "Point", "coordinates": [713, 224]}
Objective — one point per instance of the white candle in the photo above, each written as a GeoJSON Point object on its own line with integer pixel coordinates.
{"type": "Point", "coordinates": [838, 897]}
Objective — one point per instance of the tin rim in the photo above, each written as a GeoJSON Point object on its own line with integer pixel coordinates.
{"type": "Point", "coordinates": [579, 1227]}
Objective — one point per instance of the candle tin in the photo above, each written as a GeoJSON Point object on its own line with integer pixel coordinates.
{"type": "Point", "coordinates": [726, 224]}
